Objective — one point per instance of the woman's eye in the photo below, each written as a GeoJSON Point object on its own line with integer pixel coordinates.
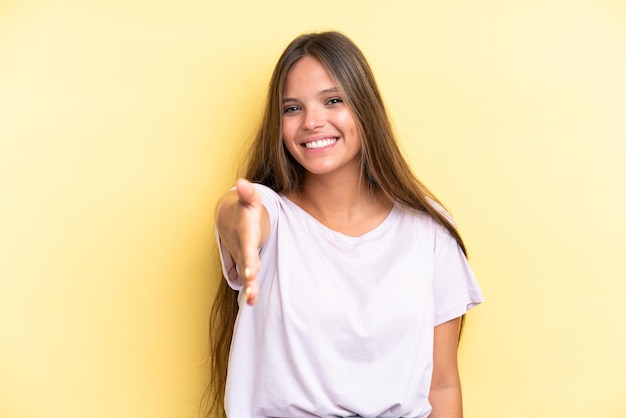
{"type": "Point", "coordinates": [290, 109]}
{"type": "Point", "coordinates": [335, 100]}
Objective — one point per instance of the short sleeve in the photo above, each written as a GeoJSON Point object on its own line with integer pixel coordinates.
{"type": "Point", "coordinates": [230, 271]}
{"type": "Point", "coordinates": [456, 290]}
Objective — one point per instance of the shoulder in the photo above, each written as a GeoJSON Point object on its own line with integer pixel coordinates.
{"type": "Point", "coordinates": [422, 217]}
{"type": "Point", "coordinates": [426, 224]}
{"type": "Point", "coordinates": [268, 195]}
{"type": "Point", "coordinates": [273, 201]}
{"type": "Point", "coordinates": [264, 190]}
{"type": "Point", "coordinates": [441, 210]}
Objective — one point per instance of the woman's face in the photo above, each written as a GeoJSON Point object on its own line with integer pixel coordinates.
{"type": "Point", "coordinates": [319, 130]}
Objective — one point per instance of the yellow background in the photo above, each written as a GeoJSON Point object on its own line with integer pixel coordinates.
{"type": "Point", "coordinates": [121, 122]}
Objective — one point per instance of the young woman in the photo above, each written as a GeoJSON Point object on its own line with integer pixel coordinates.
{"type": "Point", "coordinates": [352, 279]}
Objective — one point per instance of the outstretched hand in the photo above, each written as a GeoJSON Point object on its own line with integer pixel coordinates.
{"type": "Point", "coordinates": [240, 227]}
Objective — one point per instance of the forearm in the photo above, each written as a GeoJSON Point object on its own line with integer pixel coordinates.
{"type": "Point", "coordinates": [446, 402]}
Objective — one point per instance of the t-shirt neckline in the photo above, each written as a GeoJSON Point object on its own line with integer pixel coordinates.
{"type": "Point", "coordinates": [338, 236]}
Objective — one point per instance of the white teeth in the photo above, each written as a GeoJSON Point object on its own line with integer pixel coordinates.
{"type": "Point", "coordinates": [321, 143]}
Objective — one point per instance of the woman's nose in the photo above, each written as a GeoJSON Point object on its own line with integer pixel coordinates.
{"type": "Point", "coordinates": [314, 118]}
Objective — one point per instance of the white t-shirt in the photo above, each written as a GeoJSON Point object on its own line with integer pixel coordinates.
{"type": "Point", "coordinates": [343, 326]}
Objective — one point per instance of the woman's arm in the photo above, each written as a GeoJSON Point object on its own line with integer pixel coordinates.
{"type": "Point", "coordinates": [244, 227]}
{"type": "Point", "coordinates": [445, 389]}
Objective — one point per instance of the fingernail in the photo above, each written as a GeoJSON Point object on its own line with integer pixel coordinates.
{"type": "Point", "coordinates": [247, 292]}
{"type": "Point", "coordinates": [246, 272]}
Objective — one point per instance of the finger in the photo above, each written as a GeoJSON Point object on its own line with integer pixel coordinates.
{"type": "Point", "coordinates": [251, 269]}
{"type": "Point", "coordinates": [251, 288]}
{"type": "Point", "coordinates": [249, 238]}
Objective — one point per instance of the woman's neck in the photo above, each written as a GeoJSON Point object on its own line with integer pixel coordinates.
{"type": "Point", "coordinates": [345, 205]}
{"type": "Point", "coordinates": [335, 195]}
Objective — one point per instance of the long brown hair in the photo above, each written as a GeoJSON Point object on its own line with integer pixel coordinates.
{"type": "Point", "coordinates": [384, 168]}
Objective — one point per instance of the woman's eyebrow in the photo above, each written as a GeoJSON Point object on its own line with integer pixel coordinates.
{"type": "Point", "coordinates": [321, 93]}
{"type": "Point", "coordinates": [326, 91]}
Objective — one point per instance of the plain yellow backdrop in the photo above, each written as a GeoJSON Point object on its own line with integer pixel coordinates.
{"type": "Point", "coordinates": [121, 122]}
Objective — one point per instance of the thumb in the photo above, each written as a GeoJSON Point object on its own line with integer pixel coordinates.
{"type": "Point", "coordinates": [248, 195]}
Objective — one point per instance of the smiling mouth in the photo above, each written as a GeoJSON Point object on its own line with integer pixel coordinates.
{"type": "Point", "coordinates": [321, 143]}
